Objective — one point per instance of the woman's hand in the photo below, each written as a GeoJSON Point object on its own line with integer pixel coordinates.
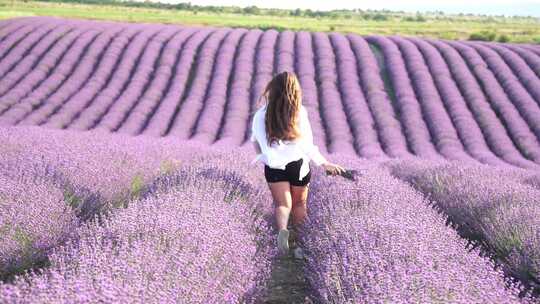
{"type": "Point", "coordinates": [333, 169]}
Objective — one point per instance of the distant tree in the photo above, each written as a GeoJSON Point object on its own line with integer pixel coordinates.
{"type": "Point", "coordinates": [214, 9]}
{"type": "Point", "coordinates": [482, 36]}
{"type": "Point", "coordinates": [420, 18]}
{"type": "Point", "coordinates": [252, 10]}
{"type": "Point", "coordinates": [268, 27]}
{"type": "Point", "coordinates": [380, 17]}
{"type": "Point", "coordinates": [297, 12]}
{"type": "Point", "coordinates": [334, 15]}
{"type": "Point", "coordinates": [182, 6]}
{"type": "Point", "coordinates": [503, 38]}
{"type": "Point", "coordinates": [274, 12]}
{"type": "Point", "coordinates": [321, 13]}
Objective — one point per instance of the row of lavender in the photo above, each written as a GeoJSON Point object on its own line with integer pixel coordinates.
{"type": "Point", "coordinates": [126, 220]}
{"type": "Point", "coordinates": [497, 209]}
{"type": "Point", "coordinates": [471, 235]}
{"type": "Point", "coordinates": [467, 101]}
{"type": "Point", "coordinates": [181, 236]}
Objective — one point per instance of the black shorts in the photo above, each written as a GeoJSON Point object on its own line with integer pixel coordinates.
{"type": "Point", "coordinates": [290, 174]}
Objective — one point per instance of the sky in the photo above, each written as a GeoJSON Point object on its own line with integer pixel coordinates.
{"type": "Point", "coordinates": [488, 7]}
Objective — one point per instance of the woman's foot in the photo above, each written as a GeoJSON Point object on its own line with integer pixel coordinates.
{"type": "Point", "coordinates": [283, 241]}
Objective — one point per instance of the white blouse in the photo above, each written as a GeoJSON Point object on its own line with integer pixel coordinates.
{"type": "Point", "coordinates": [279, 154]}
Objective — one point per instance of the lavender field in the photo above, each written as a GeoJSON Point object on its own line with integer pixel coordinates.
{"type": "Point", "coordinates": [125, 169]}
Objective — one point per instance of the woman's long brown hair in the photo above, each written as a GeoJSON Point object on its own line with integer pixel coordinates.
{"type": "Point", "coordinates": [283, 99]}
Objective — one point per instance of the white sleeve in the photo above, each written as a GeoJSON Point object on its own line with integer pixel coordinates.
{"type": "Point", "coordinates": [307, 143]}
{"type": "Point", "coordinates": [252, 137]}
{"type": "Point", "coordinates": [253, 128]}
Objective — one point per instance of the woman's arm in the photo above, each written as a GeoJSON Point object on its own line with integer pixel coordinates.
{"type": "Point", "coordinates": [311, 149]}
{"type": "Point", "coordinates": [252, 138]}
{"type": "Point", "coordinates": [257, 147]}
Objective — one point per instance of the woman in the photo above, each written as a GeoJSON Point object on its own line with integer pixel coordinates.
{"type": "Point", "coordinates": [282, 137]}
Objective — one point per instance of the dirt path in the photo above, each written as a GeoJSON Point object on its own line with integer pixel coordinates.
{"type": "Point", "coordinates": [287, 284]}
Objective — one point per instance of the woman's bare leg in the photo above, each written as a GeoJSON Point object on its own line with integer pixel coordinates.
{"type": "Point", "coordinates": [282, 198]}
{"type": "Point", "coordinates": [299, 196]}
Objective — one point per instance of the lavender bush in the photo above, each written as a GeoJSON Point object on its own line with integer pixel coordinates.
{"type": "Point", "coordinates": [366, 96]}
{"type": "Point", "coordinates": [90, 214]}
{"type": "Point", "coordinates": [60, 87]}
{"type": "Point", "coordinates": [497, 136]}
{"type": "Point", "coordinates": [521, 132]}
{"type": "Point", "coordinates": [101, 104]}
{"type": "Point", "coordinates": [35, 216]}
{"type": "Point", "coordinates": [436, 116]}
{"type": "Point", "coordinates": [454, 101]}
{"type": "Point", "coordinates": [354, 101]}
{"type": "Point", "coordinates": [157, 124]}
{"type": "Point", "coordinates": [196, 237]}
{"type": "Point", "coordinates": [377, 240]}
{"type": "Point", "coordinates": [208, 120]}
{"type": "Point", "coordinates": [228, 198]}
{"type": "Point", "coordinates": [415, 127]}
{"type": "Point", "coordinates": [101, 173]}
{"type": "Point", "coordinates": [139, 80]}
{"type": "Point", "coordinates": [331, 104]}
{"type": "Point", "coordinates": [193, 102]}
{"type": "Point", "coordinates": [490, 207]}
{"type": "Point", "coordinates": [236, 110]}
{"type": "Point", "coordinates": [389, 128]}
{"type": "Point", "coordinates": [38, 50]}
{"type": "Point", "coordinates": [305, 67]}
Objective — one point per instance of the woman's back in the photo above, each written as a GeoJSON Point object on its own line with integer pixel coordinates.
{"type": "Point", "coordinates": [283, 151]}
